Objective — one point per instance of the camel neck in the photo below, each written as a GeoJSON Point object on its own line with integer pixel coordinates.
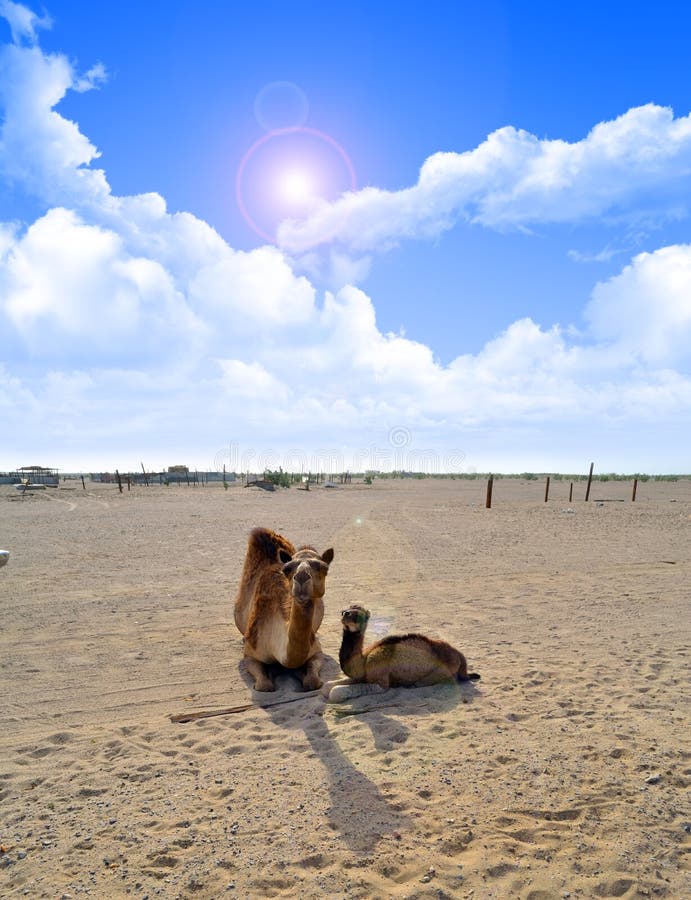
{"type": "Point", "coordinates": [350, 655]}
{"type": "Point", "coordinates": [300, 634]}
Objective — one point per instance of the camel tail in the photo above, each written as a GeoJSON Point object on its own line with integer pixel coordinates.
{"type": "Point", "coordinates": [462, 673]}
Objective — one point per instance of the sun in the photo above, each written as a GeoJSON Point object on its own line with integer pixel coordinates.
{"type": "Point", "coordinates": [296, 186]}
{"type": "Point", "coordinates": [288, 174]}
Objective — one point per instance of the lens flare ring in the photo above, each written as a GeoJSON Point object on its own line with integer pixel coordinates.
{"type": "Point", "coordinates": [281, 104]}
{"type": "Point", "coordinates": [277, 134]}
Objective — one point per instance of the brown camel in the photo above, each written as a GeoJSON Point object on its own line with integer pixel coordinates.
{"type": "Point", "coordinates": [280, 606]}
{"type": "Point", "coordinates": [396, 660]}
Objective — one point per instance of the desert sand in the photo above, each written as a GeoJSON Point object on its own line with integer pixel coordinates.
{"type": "Point", "coordinates": [562, 773]}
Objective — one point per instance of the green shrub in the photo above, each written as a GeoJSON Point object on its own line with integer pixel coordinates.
{"type": "Point", "coordinates": [279, 478]}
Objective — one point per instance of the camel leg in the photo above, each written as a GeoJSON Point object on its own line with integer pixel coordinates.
{"type": "Point", "coordinates": [341, 692]}
{"type": "Point", "coordinates": [310, 679]}
{"type": "Point", "coordinates": [258, 671]}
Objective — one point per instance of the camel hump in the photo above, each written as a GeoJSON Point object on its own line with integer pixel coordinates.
{"type": "Point", "coordinates": [267, 543]}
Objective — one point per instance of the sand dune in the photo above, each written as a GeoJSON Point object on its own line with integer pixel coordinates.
{"type": "Point", "coordinates": [563, 772]}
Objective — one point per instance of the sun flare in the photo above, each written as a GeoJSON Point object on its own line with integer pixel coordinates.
{"type": "Point", "coordinates": [296, 186]}
{"type": "Point", "coordinates": [287, 174]}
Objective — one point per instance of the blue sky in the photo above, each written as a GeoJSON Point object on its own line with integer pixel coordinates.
{"type": "Point", "coordinates": [442, 236]}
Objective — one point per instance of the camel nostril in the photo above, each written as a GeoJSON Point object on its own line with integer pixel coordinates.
{"type": "Point", "coordinates": [302, 576]}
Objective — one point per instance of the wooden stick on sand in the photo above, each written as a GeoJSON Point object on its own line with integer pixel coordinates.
{"type": "Point", "coordinates": [229, 710]}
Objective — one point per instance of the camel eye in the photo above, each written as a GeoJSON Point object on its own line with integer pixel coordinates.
{"type": "Point", "coordinates": [317, 566]}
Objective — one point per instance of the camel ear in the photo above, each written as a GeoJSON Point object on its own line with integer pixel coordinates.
{"type": "Point", "coordinates": [284, 556]}
{"type": "Point", "coordinates": [328, 556]}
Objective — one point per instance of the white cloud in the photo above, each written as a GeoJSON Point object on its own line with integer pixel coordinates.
{"type": "Point", "coordinates": [646, 309]}
{"type": "Point", "coordinates": [22, 21]}
{"type": "Point", "coordinates": [13, 394]}
{"type": "Point", "coordinates": [133, 327]}
{"type": "Point", "coordinates": [73, 291]}
{"type": "Point", "coordinates": [601, 256]}
{"type": "Point", "coordinates": [116, 277]}
{"type": "Point", "coordinates": [251, 381]}
{"type": "Point", "coordinates": [255, 289]}
{"type": "Point", "coordinates": [341, 380]}
{"type": "Point", "coordinates": [40, 150]}
{"type": "Point", "coordinates": [637, 164]}
{"type": "Point", "coordinates": [96, 76]}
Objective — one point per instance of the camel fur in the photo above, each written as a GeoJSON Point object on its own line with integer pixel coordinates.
{"type": "Point", "coordinates": [279, 607]}
{"type": "Point", "coordinates": [397, 660]}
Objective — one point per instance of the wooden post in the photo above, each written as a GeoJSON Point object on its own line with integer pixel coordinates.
{"type": "Point", "coordinates": [488, 499]}
{"type": "Point", "coordinates": [83, 485]}
{"type": "Point", "coordinates": [547, 489]}
{"type": "Point", "coordinates": [571, 492]}
{"type": "Point", "coordinates": [129, 483]}
{"type": "Point", "coordinates": [590, 480]}
{"type": "Point", "coordinates": [225, 483]}
{"type": "Point", "coordinates": [635, 485]}
{"type": "Point", "coordinates": [117, 475]}
{"type": "Point", "coordinates": [146, 477]}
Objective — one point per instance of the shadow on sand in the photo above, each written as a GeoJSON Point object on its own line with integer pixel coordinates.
{"type": "Point", "coordinates": [351, 792]}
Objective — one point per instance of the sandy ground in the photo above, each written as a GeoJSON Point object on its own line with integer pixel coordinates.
{"type": "Point", "coordinates": [564, 773]}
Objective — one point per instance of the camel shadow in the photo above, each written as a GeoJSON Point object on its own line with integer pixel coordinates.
{"type": "Point", "coordinates": [359, 811]}
{"type": "Point", "coordinates": [434, 700]}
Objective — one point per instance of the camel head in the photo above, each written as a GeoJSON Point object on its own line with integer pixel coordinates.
{"type": "Point", "coordinates": [306, 571]}
{"type": "Point", "coordinates": [355, 618]}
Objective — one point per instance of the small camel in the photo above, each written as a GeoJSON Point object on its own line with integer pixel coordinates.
{"type": "Point", "coordinates": [280, 606]}
{"type": "Point", "coordinates": [396, 660]}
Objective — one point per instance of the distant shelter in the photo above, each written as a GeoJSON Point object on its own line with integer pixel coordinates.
{"type": "Point", "coordinates": [33, 475]}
